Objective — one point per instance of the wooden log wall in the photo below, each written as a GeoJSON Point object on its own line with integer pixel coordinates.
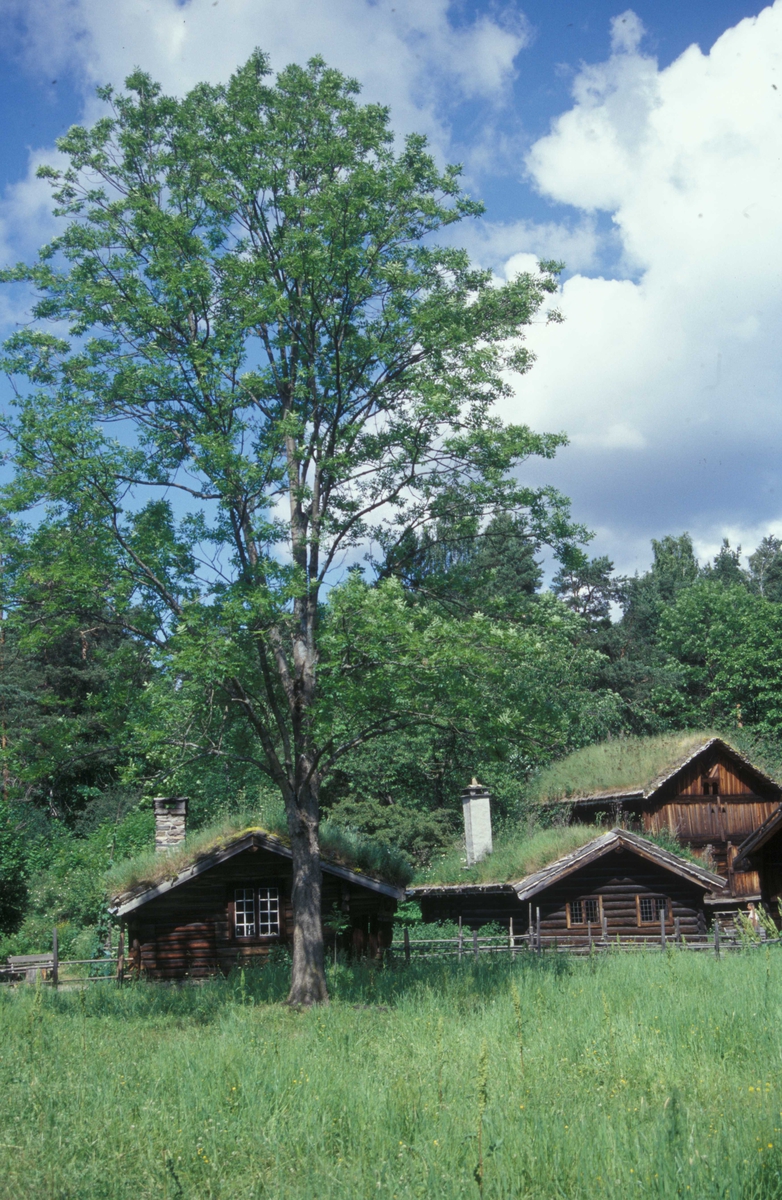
{"type": "Point", "coordinates": [189, 931]}
{"type": "Point", "coordinates": [617, 879]}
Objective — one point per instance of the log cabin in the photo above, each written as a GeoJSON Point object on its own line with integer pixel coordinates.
{"type": "Point", "coordinates": [697, 787]}
{"type": "Point", "coordinates": [197, 914]}
{"type": "Point", "coordinates": [617, 884]}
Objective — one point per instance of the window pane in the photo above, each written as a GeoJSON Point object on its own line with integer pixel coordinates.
{"type": "Point", "coordinates": [268, 911]}
{"type": "Point", "coordinates": [591, 908]}
{"type": "Point", "coordinates": [244, 912]}
{"type": "Point", "coordinates": [576, 914]}
{"type": "Point", "coordinates": [653, 907]}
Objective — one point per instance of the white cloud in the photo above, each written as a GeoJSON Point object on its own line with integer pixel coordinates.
{"type": "Point", "coordinates": [405, 53]}
{"type": "Point", "coordinates": [667, 377]}
{"type": "Point", "coordinates": [495, 244]}
{"type": "Point", "coordinates": [409, 55]}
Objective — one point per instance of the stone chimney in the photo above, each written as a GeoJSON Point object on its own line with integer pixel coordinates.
{"type": "Point", "coordinates": [476, 803]}
{"type": "Point", "coordinates": [170, 820]}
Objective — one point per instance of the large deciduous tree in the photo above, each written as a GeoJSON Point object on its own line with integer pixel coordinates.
{"type": "Point", "coordinates": [269, 363]}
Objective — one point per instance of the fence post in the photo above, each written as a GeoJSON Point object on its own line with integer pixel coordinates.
{"type": "Point", "coordinates": [716, 938]}
{"type": "Point", "coordinates": [677, 930]}
{"type": "Point", "coordinates": [605, 928]}
{"type": "Point", "coordinates": [121, 957]}
{"type": "Point", "coordinates": [461, 939]}
{"type": "Point", "coordinates": [475, 943]}
{"type": "Point", "coordinates": [55, 959]}
{"type": "Point", "coordinates": [662, 927]}
{"type": "Point", "coordinates": [510, 935]}
{"type": "Point", "coordinates": [530, 928]}
{"type": "Point", "coordinates": [537, 930]}
{"type": "Point", "coordinates": [407, 946]}
{"type": "Point", "coordinates": [589, 935]}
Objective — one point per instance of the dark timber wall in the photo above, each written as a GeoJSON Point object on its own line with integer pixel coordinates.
{"type": "Point", "coordinates": [189, 931]}
{"type": "Point", "coordinates": [619, 879]}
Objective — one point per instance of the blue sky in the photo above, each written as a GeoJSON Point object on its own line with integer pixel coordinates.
{"type": "Point", "coordinates": [641, 146]}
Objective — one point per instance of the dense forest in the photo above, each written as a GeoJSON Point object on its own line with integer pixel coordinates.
{"type": "Point", "coordinates": [93, 726]}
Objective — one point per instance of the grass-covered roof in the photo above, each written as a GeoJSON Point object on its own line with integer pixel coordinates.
{"type": "Point", "coordinates": [617, 767]}
{"type": "Point", "coordinates": [522, 854]}
{"type": "Point", "coordinates": [513, 857]}
{"type": "Point", "coordinates": [339, 846]}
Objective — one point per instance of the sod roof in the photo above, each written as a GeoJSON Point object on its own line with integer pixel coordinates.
{"type": "Point", "coordinates": [344, 853]}
{"type": "Point", "coordinates": [628, 767]}
{"type": "Point", "coordinates": [560, 866]}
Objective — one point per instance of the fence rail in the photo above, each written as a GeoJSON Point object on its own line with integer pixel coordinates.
{"type": "Point", "coordinates": [48, 968]}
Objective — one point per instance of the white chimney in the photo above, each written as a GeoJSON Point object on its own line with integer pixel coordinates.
{"type": "Point", "coordinates": [476, 802]}
{"type": "Point", "coordinates": [170, 821]}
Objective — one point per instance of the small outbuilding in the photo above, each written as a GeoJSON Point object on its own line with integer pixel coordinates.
{"type": "Point", "coordinates": [617, 884]}
{"type": "Point", "coordinates": [196, 913]}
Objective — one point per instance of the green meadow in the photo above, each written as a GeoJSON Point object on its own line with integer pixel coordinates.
{"type": "Point", "coordinates": [622, 1075]}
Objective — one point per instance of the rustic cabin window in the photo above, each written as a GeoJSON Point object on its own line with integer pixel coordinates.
{"type": "Point", "coordinates": [585, 911]}
{"type": "Point", "coordinates": [268, 911]}
{"type": "Point", "coordinates": [244, 912]}
{"type": "Point", "coordinates": [257, 910]}
{"type": "Point", "coordinates": [650, 909]}
{"type": "Point", "coordinates": [711, 787]}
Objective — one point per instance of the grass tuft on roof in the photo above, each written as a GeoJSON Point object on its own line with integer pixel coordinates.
{"type": "Point", "coordinates": [342, 846]}
{"type": "Point", "coordinates": [513, 857]}
{"type": "Point", "coordinates": [625, 764]}
{"type": "Point", "coordinates": [523, 854]}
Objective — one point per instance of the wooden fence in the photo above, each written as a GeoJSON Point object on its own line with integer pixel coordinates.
{"type": "Point", "coordinates": [49, 968]}
{"type": "Point", "coordinates": [723, 937]}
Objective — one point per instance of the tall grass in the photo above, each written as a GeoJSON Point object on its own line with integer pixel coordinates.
{"type": "Point", "coordinates": [643, 1075]}
{"type": "Point", "coordinates": [621, 764]}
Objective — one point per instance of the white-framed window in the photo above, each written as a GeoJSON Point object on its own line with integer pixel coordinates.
{"type": "Point", "coordinates": [244, 912]}
{"type": "Point", "coordinates": [268, 910]}
{"type": "Point", "coordinates": [257, 912]}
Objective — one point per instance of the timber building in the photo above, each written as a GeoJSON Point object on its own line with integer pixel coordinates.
{"type": "Point", "coordinates": [617, 884]}
{"type": "Point", "coordinates": [701, 790]}
{"type": "Point", "coordinates": [723, 811]}
{"type": "Point", "coordinates": [228, 905]}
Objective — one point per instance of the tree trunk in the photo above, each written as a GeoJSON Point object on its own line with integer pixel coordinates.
{"type": "Point", "coordinates": [308, 978]}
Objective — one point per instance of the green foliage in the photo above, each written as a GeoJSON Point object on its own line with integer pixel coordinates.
{"type": "Point", "coordinates": [13, 888]}
{"type": "Point", "coordinates": [66, 886]}
{"type": "Point", "coordinates": [588, 586]}
{"type": "Point", "coordinates": [728, 644]}
{"type": "Point", "coordinates": [468, 567]}
{"type": "Point", "coordinates": [645, 1075]}
{"type": "Point", "coordinates": [765, 569]}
